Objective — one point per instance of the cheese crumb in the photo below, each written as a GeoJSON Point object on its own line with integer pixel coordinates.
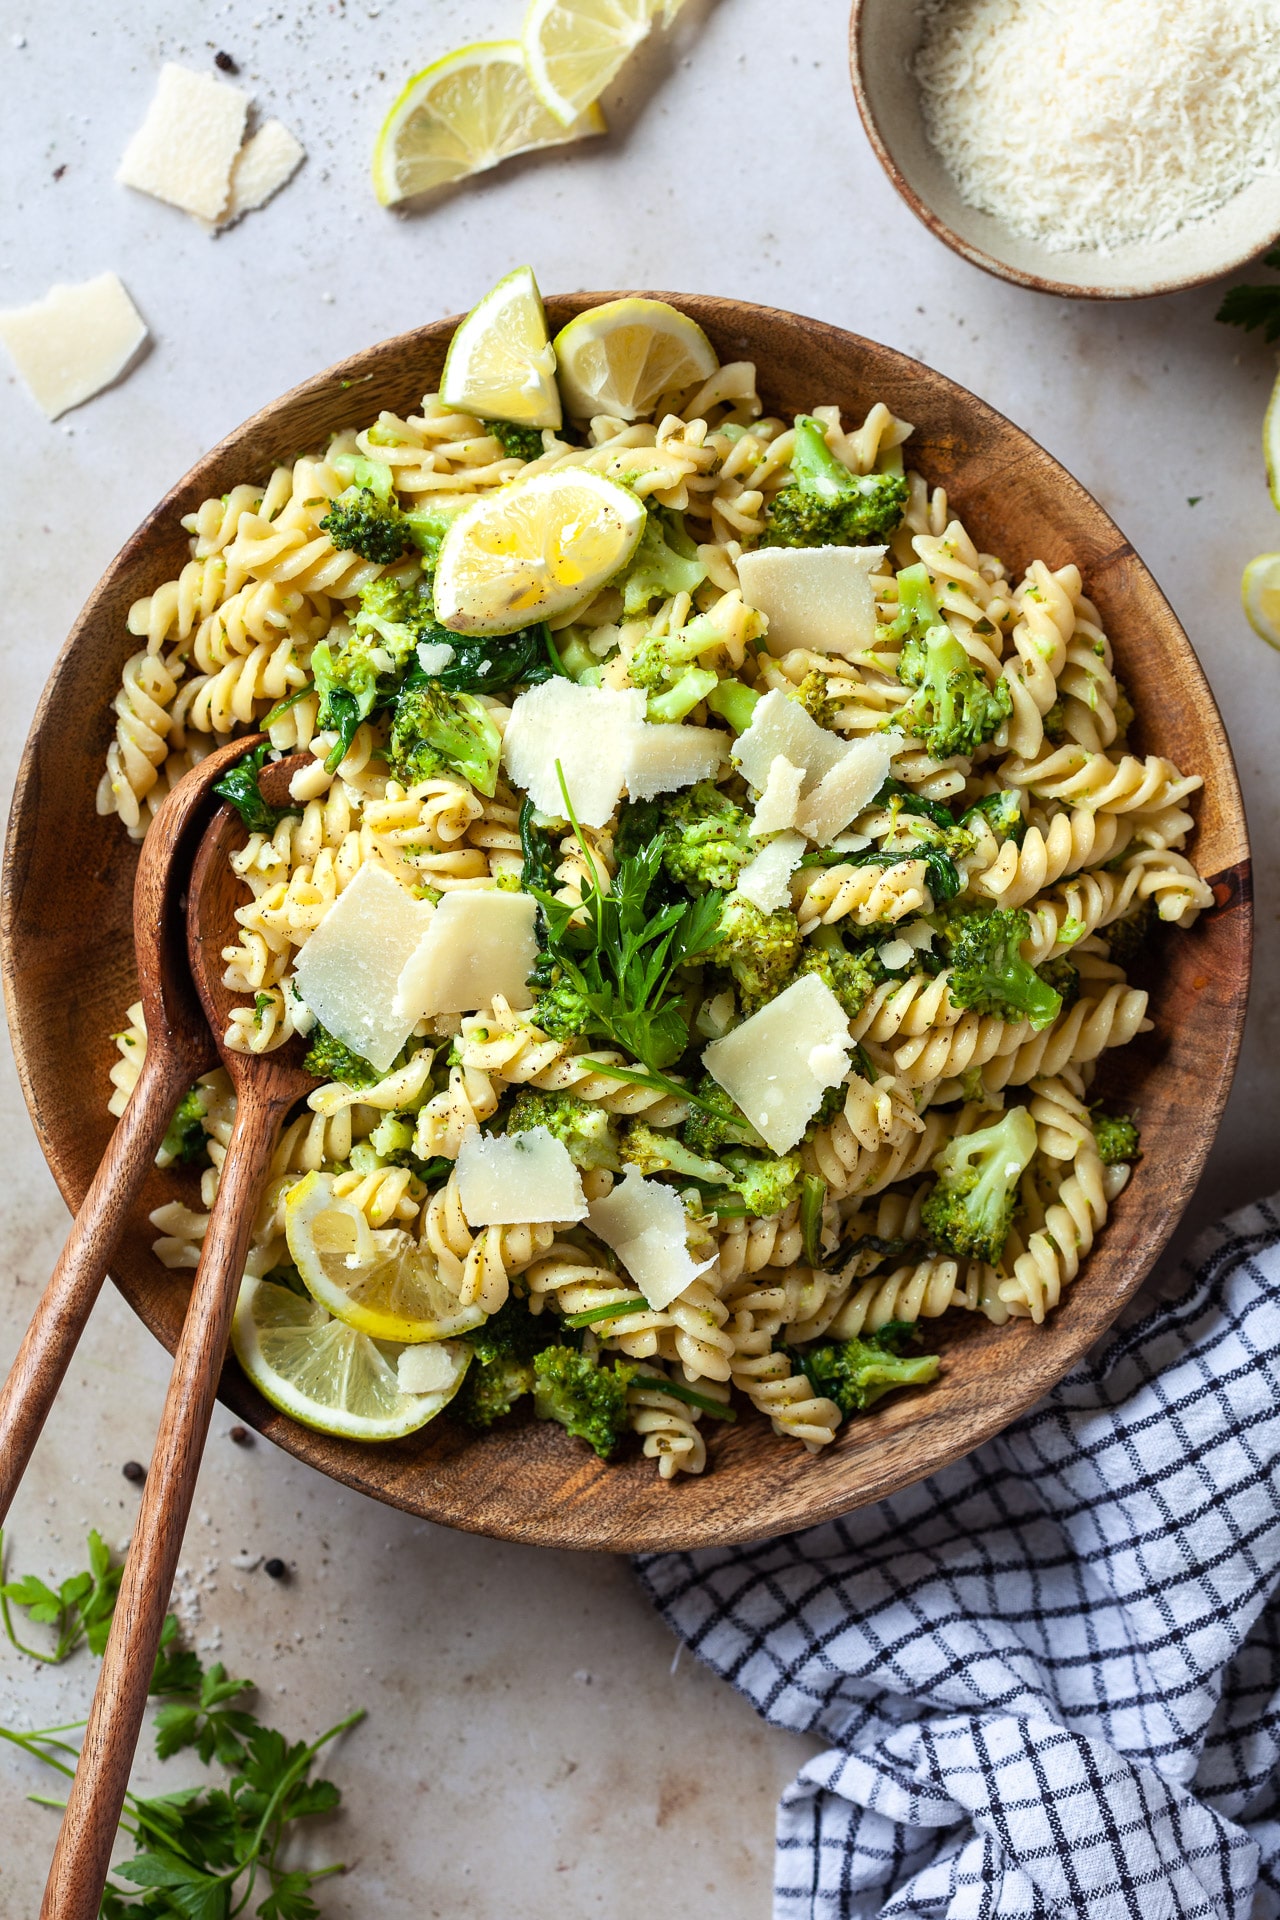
{"type": "Point", "coordinates": [431, 1367]}
{"type": "Point", "coordinates": [509, 1179]}
{"type": "Point", "coordinates": [185, 149]}
{"type": "Point", "coordinates": [74, 342]}
{"type": "Point", "coordinates": [776, 807]}
{"type": "Point", "coordinates": [645, 1224]}
{"type": "Point", "coordinates": [434, 655]}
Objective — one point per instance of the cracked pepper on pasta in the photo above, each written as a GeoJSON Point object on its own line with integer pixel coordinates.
{"type": "Point", "coordinates": [972, 919]}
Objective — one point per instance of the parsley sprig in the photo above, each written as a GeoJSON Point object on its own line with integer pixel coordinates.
{"type": "Point", "coordinates": [202, 1853]}
{"type": "Point", "coordinates": [1255, 306]}
{"type": "Point", "coordinates": [622, 958]}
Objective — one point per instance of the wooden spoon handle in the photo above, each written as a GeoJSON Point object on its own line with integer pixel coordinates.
{"type": "Point", "coordinates": [83, 1853]}
{"type": "Point", "coordinates": [59, 1319]}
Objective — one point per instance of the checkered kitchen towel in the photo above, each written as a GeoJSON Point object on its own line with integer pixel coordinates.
{"type": "Point", "coordinates": [1049, 1678]}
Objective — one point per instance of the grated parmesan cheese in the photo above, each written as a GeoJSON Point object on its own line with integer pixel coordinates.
{"type": "Point", "coordinates": [1094, 124]}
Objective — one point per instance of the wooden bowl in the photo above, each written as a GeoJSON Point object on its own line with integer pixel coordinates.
{"type": "Point", "coordinates": [883, 37]}
{"type": "Point", "coordinates": [68, 968]}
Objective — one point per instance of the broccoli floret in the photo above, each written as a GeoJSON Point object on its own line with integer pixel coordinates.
{"type": "Point", "coordinates": [586, 1130]}
{"type": "Point", "coordinates": [186, 1141]}
{"type": "Point", "coordinates": [653, 1151]}
{"type": "Point", "coordinates": [1115, 1136]}
{"type": "Point", "coordinates": [857, 1373]}
{"type": "Point", "coordinates": [953, 710]}
{"type": "Point", "coordinates": [759, 949]}
{"type": "Point", "coordinates": [1002, 812]}
{"type": "Point", "coordinates": [824, 505]}
{"type": "Point", "coordinates": [970, 1210]}
{"type": "Point", "coordinates": [666, 562]}
{"type": "Point", "coordinates": [1064, 977]}
{"type": "Point", "coordinates": [988, 973]}
{"type": "Point", "coordinates": [1125, 937]}
{"type": "Point", "coordinates": [707, 839]}
{"type": "Point", "coordinates": [359, 522]}
{"type": "Point", "coordinates": [813, 695]}
{"type": "Point", "coordinates": [350, 685]}
{"type": "Point", "coordinates": [518, 443]}
{"type": "Point", "coordinates": [666, 666]}
{"type": "Point", "coordinates": [725, 1126]}
{"type": "Point", "coordinates": [331, 1059]}
{"type": "Point", "coordinates": [850, 976]}
{"type": "Point", "coordinates": [397, 616]}
{"type": "Point", "coordinates": [391, 1143]}
{"type": "Point", "coordinates": [766, 1185]}
{"type": "Point", "coordinates": [561, 1012]}
{"type": "Point", "coordinates": [735, 702]}
{"type": "Point", "coordinates": [587, 1396]}
{"type": "Point", "coordinates": [501, 1371]}
{"type": "Point", "coordinates": [436, 730]}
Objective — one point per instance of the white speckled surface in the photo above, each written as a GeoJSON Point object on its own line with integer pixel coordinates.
{"type": "Point", "coordinates": [528, 1741]}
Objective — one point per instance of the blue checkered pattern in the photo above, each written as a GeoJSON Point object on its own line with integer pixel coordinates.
{"type": "Point", "coordinates": [1049, 1678]}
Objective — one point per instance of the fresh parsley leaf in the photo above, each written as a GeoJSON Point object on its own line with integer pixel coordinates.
{"type": "Point", "coordinates": [80, 1610]}
{"type": "Point", "coordinates": [240, 786]}
{"type": "Point", "coordinates": [1251, 307]}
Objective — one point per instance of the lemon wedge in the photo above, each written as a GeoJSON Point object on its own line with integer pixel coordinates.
{"type": "Point", "coordinates": [574, 48]}
{"type": "Point", "coordinates": [377, 1281]}
{"type": "Point", "coordinates": [1260, 590]}
{"type": "Point", "coordinates": [500, 362]}
{"type": "Point", "coordinates": [464, 113]}
{"type": "Point", "coordinates": [325, 1374]}
{"type": "Point", "coordinates": [534, 549]}
{"type": "Point", "coordinates": [1271, 442]}
{"type": "Point", "coordinates": [622, 357]}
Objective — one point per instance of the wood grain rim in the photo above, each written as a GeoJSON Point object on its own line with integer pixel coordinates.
{"type": "Point", "coordinates": [529, 1483]}
{"type": "Point", "coordinates": [980, 256]}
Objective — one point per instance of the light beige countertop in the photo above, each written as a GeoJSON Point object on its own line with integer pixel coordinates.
{"type": "Point", "coordinates": [530, 1745]}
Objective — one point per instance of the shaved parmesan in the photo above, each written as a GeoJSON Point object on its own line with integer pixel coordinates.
{"type": "Point", "coordinates": [431, 1367]}
{"type": "Point", "coordinates": [778, 1064]}
{"type": "Point", "coordinates": [508, 1179]}
{"type": "Point", "coordinates": [815, 597]}
{"type": "Point", "coordinates": [477, 945]}
{"type": "Point", "coordinates": [668, 756]}
{"type": "Point", "coordinates": [851, 785]}
{"type": "Point", "coordinates": [645, 1224]}
{"type": "Point", "coordinates": [186, 147]}
{"type": "Point", "coordinates": [348, 969]}
{"type": "Point", "coordinates": [764, 880]}
{"type": "Point", "coordinates": [776, 807]}
{"type": "Point", "coordinates": [262, 166]}
{"type": "Point", "coordinates": [781, 726]}
{"type": "Point", "coordinates": [895, 954]}
{"type": "Point", "coordinates": [74, 342]}
{"type": "Point", "coordinates": [589, 730]}
{"type": "Point", "coordinates": [434, 655]}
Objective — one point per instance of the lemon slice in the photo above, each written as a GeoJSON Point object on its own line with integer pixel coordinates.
{"type": "Point", "coordinates": [500, 362]}
{"type": "Point", "coordinates": [380, 1282]}
{"type": "Point", "coordinates": [463, 114]}
{"type": "Point", "coordinates": [534, 549]}
{"type": "Point", "coordinates": [621, 357]}
{"type": "Point", "coordinates": [574, 48]}
{"type": "Point", "coordinates": [1271, 442]}
{"type": "Point", "coordinates": [325, 1374]}
{"type": "Point", "coordinates": [1260, 590]}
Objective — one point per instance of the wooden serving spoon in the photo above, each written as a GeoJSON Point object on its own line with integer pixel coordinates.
{"type": "Point", "coordinates": [266, 1086]}
{"type": "Point", "coordinates": [179, 1047]}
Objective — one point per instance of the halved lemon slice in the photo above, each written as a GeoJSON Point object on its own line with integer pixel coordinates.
{"type": "Point", "coordinates": [534, 549]}
{"type": "Point", "coordinates": [1260, 590]}
{"type": "Point", "coordinates": [500, 362]}
{"type": "Point", "coordinates": [574, 48]}
{"type": "Point", "coordinates": [1271, 442]}
{"type": "Point", "coordinates": [378, 1281]}
{"type": "Point", "coordinates": [325, 1374]}
{"type": "Point", "coordinates": [464, 113]}
{"type": "Point", "coordinates": [621, 357]}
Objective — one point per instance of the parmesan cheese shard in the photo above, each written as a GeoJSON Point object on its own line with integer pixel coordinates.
{"type": "Point", "coordinates": [776, 807]}
{"type": "Point", "coordinates": [645, 1224]}
{"type": "Point", "coordinates": [348, 969]}
{"type": "Point", "coordinates": [477, 945]}
{"type": "Point", "coordinates": [74, 342]}
{"type": "Point", "coordinates": [764, 880]}
{"type": "Point", "coordinates": [670, 755]}
{"type": "Point", "coordinates": [851, 785]}
{"type": "Point", "coordinates": [778, 1064]}
{"type": "Point", "coordinates": [264, 163]}
{"type": "Point", "coordinates": [186, 147]}
{"type": "Point", "coordinates": [781, 726]}
{"type": "Point", "coordinates": [431, 1367]}
{"type": "Point", "coordinates": [510, 1179]}
{"type": "Point", "coordinates": [589, 730]}
{"type": "Point", "coordinates": [820, 598]}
